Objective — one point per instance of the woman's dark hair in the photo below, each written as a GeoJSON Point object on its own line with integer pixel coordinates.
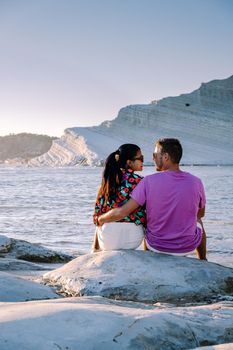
{"type": "Point", "coordinates": [112, 173]}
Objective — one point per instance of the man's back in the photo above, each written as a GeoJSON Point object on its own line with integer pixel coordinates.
{"type": "Point", "coordinates": [172, 201]}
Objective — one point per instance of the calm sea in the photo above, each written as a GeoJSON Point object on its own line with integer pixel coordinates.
{"type": "Point", "coordinates": [54, 207]}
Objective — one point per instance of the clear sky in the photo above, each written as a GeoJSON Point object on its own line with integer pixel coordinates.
{"type": "Point", "coordinates": [66, 63]}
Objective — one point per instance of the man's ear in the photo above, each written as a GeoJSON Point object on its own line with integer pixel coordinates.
{"type": "Point", "coordinates": [166, 156]}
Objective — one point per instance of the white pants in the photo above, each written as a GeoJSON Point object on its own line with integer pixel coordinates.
{"type": "Point", "coordinates": [175, 254]}
{"type": "Point", "coordinates": [120, 235]}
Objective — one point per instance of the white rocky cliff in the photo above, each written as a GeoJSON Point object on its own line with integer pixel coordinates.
{"type": "Point", "coordinates": [202, 120]}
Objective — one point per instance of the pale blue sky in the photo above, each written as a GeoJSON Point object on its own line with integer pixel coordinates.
{"type": "Point", "coordinates": [66, 63]}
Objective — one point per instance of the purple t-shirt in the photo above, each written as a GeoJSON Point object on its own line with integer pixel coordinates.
{"type": "Point", "coordinates": [172, 200]}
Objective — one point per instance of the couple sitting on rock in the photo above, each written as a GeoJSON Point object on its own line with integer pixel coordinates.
{"type": "Point", "coordinates": [166, 205]}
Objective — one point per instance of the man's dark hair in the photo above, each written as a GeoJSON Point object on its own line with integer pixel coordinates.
{"type": "Point", "coordinates": [172, 147]}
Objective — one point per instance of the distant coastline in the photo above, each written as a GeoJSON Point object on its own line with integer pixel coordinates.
{"type": "Point", "coordinates": [23, 146]}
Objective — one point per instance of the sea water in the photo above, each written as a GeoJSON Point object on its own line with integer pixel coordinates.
{"type": "Point", "coordinates": [54, 207]}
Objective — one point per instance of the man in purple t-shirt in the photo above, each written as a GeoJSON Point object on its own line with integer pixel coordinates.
{"type": "Point", "coordinates": [174, 201]}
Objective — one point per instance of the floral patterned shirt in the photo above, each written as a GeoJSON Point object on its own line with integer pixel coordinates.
{"type": "Point", "coordinates": [128, 183]}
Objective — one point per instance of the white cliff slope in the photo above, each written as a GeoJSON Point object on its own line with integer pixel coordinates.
{"type": "Point", "coordinates": [202, 120]}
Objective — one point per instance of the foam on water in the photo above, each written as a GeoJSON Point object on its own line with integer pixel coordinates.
{"type": "Point", "coordinates": [54, 207]}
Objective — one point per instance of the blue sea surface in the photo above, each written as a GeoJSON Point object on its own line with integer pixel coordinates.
{"type": "Point", "coordinates": [54, 207]}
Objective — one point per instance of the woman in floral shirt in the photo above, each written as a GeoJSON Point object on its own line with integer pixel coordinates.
{"type": "Point", "coordinates": [118, 181]}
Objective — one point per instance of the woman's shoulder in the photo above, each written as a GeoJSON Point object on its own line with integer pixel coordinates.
{"type": "Point", "coordinates": [131, 177]}
{"type": "Point", "coordinates": [137, 176]}
{"type": "Point", "coordinates": [134, 175]}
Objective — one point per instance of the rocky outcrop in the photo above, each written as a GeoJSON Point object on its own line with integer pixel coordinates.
{"type": "Point", "coordinates": [14, 288]}
{"type": "Point", "coordinates": [142, 276]}
{"type": "Point", "coordinates": [5, 244]}
{"type": "Point", "coordinates": [172, 314]}
{"type": "Point", "coordinates": [15, 257]}
{"type": "Point", "coordinates": [227, 346]}
{"type": "Point", "coordinates": [97, 323]}
{"type": "Point", "coordinates": [11, 264]}
{"type": "Point", "coordinates": [201, 120]}
{"type": "Point", "coordinates": [19, 249]}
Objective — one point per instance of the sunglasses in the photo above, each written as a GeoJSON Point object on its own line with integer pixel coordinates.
{"type": "Point", "coordinates": [159, 155]}
{"type": "Point", "coordinates": [141, 158]}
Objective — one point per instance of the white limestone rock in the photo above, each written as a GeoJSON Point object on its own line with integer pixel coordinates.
{"type": "Point", "coordinates": [10, 264]}
{"type": "Point", "coordinates": [142, 276]}
{"type": "Point", "coordinates": [200, 119]}
{"type": "Point", "coordinates": [13, 288]}
{"type": "Point", "coordinates": [228, 346]}
{"type": "Point", "coordinates": [5, 244]}
{"type": "Point", "coordinates": [96, 323]}
{"type": "Point", "coordinates": [71, 149]}
{"type": "Point", "coordinates": [19, 249]}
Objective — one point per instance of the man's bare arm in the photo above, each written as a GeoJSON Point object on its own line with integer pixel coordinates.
{"type": "Point", "coordinates": [118, 213]}
{"type": "Point", "coordinates": [201, 213]}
